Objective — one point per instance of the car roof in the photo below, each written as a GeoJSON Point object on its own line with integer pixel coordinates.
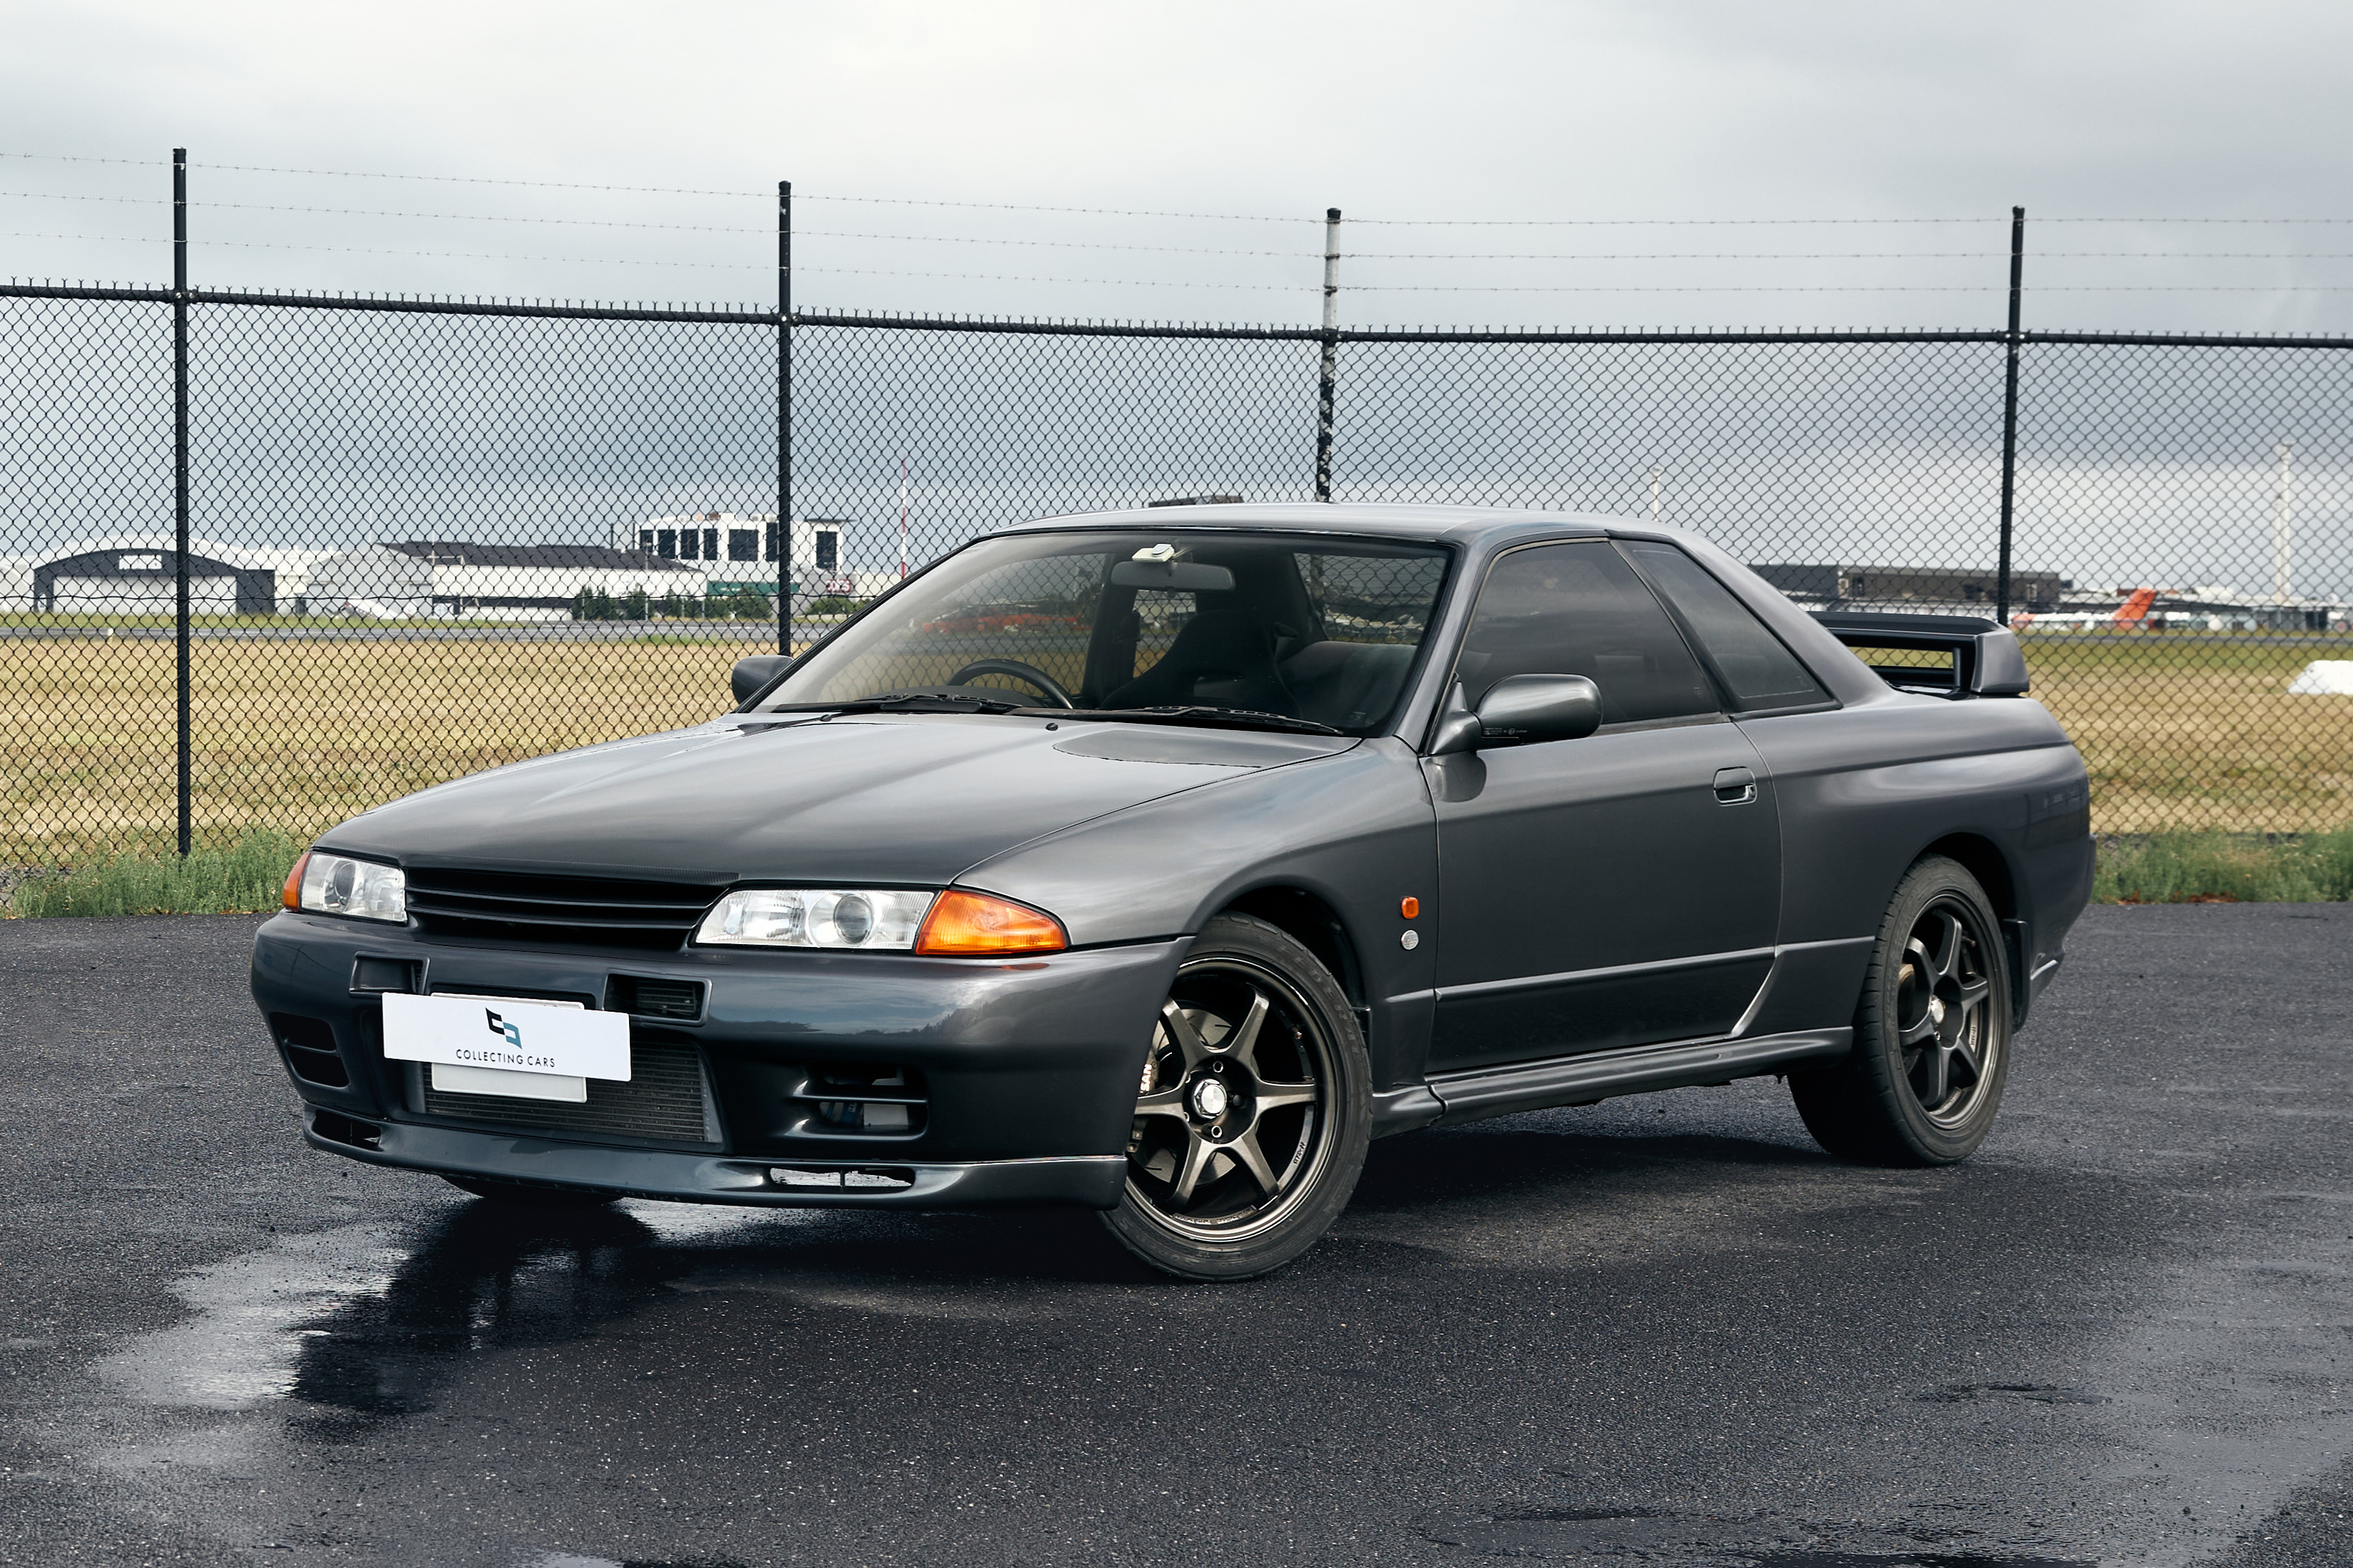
{"type": "Point", "coordinates": [1451, 524]}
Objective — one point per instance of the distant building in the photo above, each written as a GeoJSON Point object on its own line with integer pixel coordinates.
{"type": "Point", "coordinates": [138, 574]}
{"type": "Point", "coordinates": [741, 550]}
{"type": "Point", "coordinates": [1920, 590]}
{"type": "Point", "coordinates": [416, 578]}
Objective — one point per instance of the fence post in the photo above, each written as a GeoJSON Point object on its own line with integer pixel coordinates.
{"type": "Point", "coordinates": [180, 479]}
{"type": "Point", "coordinates": [1331, 367]}
{"type": "Point", "coordinates": [785, 417]}
{"type": "Point", "coordinates": [2010, 412]}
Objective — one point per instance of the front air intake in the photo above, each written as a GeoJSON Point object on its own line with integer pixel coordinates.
{"type": "Point", "coordinates": [859, 1100]}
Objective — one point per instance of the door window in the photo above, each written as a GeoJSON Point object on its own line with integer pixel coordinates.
{"type": "Point", "coordinates": [1578, 609]}
{"type": "Point", "coordinates": [1756, 669]}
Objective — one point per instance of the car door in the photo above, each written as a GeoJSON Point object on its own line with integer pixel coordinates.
{"type": "Point", "coordinates": [1614, 891]}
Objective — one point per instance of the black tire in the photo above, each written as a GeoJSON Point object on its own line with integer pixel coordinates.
{"type": "Point", "coordinates": [522, 1194]}
{"type": "Point", "coordinates": [1252, 1113]}
{"type": "Point", "coordinates": [1932, 1032]}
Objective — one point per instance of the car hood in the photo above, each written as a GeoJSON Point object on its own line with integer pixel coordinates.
{"type": "Point", "coordinates": [883, 798]}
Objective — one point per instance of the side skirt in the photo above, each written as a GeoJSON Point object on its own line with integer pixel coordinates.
{"type": "Point", "coordinates": [1457, 1098]}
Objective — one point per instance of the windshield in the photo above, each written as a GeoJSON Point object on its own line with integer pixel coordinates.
{"type": "Point", "coordinates": [1301, 627]}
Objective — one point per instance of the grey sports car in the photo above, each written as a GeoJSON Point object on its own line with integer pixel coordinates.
{"type": "Point", "coordinates": [1156, 861]}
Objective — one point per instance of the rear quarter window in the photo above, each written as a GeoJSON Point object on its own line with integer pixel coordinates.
{"type": "Point", "coordinates": [1757, 670]}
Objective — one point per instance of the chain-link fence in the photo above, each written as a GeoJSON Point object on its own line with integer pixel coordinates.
{"type": "Point", "coordinates": [422, 538]}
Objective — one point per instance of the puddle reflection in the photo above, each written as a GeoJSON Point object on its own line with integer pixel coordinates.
{"type": "Point", "coordinates": [480, 1279]}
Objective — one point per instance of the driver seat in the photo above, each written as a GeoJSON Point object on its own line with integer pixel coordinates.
{"type": "Point", "coordinates": [1233, 649]}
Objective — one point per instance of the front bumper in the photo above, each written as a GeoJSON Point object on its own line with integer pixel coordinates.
{"type": "Point", "coordinates": [1085, 1181]}
{"type": "Point", "coordinates": [1028, 1069]}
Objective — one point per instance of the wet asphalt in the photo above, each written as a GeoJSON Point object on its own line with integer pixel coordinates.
{"type": "Point", "coordinates": [1665, 1330]}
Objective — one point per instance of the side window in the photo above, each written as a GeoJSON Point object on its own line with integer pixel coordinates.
{"type": "Point", "coordinates": [1578, 609]}
{"type": "Point", "coordinates": [1759, 671]}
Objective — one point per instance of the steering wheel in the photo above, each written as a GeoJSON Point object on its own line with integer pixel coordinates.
{"type": "Point", "coordinates": [1057, 697]}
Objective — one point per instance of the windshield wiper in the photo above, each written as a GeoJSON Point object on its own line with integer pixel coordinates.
{"type": "Point", "coordinates": [1195, 714]}
{"type": "Point", "coordinates": [905, 702]}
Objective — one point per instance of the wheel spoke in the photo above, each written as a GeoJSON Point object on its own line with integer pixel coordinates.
{"type": "Point", "coordinates": [1925, 1029]}
{"type": "Point", "coordinates": [1274, 1096]}
{"type": "Point", "coordinates": [1936, 1062]}
{"type": "Point", "coordinates": [1198, 1152]}
{"type": "Point", "coordinates": [1951, 944]}
{"type": "Point", "coordinates": [1189, 1044]}
{"type": "Point", "coordinates": [1163, 1102]}
{"type": "Point", "coordinates": [1253, 1160]}
{"type": "Point", "coordinates": [1243, 1042]}
{"type": "Point", "coordinates": [1967, 1052]}
{"type": "Point", "coordinates": [1974, 993]}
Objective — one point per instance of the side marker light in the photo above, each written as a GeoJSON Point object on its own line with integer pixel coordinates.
{"type": "Point", "coordinates": [292, 897]}
{"type": "Point", "coordinates": [1409, 907]}
{"type": "Point", "coordinates": [975, 925]}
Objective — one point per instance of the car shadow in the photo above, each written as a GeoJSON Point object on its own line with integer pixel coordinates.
{"type": "Point", "coordinates": [1431, 1168]}
{"type": "Point", "coordinates": [485, 1277]}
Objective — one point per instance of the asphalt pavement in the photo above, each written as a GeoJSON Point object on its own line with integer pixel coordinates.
{"type": "Point", "coordinates": [1665, 1330]}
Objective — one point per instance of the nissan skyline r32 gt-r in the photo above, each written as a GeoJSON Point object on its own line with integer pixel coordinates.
{"type": "Point", "coordinates": [1262, 831]}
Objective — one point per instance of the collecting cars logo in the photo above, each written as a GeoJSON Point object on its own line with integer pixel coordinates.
{"type": "Point", "coordinates": [514, 1057]}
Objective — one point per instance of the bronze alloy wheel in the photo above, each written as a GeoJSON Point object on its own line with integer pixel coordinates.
{"type": "Point", "coordinates": [1931, 1031]}
{"type": "Point", "coordinates": [1942, 1023]}
{"type": "Point", "coordinates": [1251, 1111]}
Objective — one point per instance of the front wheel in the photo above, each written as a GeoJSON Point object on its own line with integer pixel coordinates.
{"type": "Point", "coordinates": [1931, 1035]}
{"type": "Point", "coordinates": [1253, 1111]}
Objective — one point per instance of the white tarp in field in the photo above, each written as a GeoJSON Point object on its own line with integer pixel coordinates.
{"type": "Point", "coordinates": [2324, 678]}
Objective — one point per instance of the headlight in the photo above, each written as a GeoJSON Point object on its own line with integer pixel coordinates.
{"type": "Point", "coordinates": [868, 918]}
{"type": "Point", "coordinates": [339, 885]}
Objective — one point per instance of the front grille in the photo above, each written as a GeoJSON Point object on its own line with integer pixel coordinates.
{"type": "Point", "coordinates": [663, 1102]}
{"type": "Point", "coordinates": [601, 911]}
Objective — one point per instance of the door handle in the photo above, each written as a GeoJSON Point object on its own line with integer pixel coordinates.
{"type": "Point", "coordinates": [1734, 786]}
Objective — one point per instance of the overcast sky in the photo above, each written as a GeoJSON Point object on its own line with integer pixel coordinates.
{"type": "Point", "coordinates": [1578, 113]}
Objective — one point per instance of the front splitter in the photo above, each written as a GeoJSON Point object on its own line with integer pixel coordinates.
{"type": "Point", "coordinates": [1067, 1181]}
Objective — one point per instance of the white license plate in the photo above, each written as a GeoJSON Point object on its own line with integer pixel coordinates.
{"type": "Point", "coordinates": [519, 1046]}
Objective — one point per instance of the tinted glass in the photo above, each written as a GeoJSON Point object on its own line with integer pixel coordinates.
{"type": "Point", "coordinates": [1318, 629]}
{"type": "Point", "coordinates": [1578, 609]}
{"type": "Point", "coordinates": [1760, 672]}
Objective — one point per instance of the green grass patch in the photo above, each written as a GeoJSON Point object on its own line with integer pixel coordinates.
{"type": "Point", "coordinates": [244, 878]}
{"type": "Point", "coordinates": [2225, 868]}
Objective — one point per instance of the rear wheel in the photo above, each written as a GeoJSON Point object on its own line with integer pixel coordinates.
{"type": "Point", "coordinates": [521, 1194]}
{"type": "Point", "coordinates": [1253, 1111]}
{"type": "Point", "coordinates": [1931, 1035]}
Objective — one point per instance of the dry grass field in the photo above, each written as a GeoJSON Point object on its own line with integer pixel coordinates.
{"type": "Point", "coordinates": [2182, 733]}
{"type": "Point", "coordinates": [297, 735]}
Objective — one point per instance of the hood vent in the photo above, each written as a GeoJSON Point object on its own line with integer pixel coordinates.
{"type": "Point", "coordinates": [567, 911]}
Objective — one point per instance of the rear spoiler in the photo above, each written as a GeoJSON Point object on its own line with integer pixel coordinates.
{"type": "Point", "coordinates": [1986, 660]}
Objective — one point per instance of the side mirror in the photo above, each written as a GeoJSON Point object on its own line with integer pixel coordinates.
{"type": "Point", "coordinates": [751, 674]}
{"type": "Point", "coordinates": [1520, 710]}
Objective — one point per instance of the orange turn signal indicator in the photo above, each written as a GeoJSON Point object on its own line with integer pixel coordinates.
{"type": "Point", "coordinates": [1409, 907]}
{"type": "Point", "coordinates": [292, 896]}
{"type": "Point", "coordinates": [979, 925]}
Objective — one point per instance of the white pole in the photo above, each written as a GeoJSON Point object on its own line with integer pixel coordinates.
{"type": "Point", "coordinates": [2280, 561]}
{"type": "Point", "coordinates": [1331, 268]}
{"type": "Point", "coordinates": [902, 519]}
{"type": "Point", "coordinates": [1656, 474]}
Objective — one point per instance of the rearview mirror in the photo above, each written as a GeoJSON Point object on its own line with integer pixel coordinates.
{"type": "Point", "coordinates": [1178, 576]}
{"type": "Point", "coordinates": [1521, 710]}
{"type": "Point", "coordinates": [751, 674]}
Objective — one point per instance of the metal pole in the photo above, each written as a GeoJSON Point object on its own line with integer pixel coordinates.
{"type": "Point", "coordinates": [785, 417]}
{"type": "Point", "coordinates": [2281, 575]}
{"type": "Point", "coordinates": [1326, 382]}
{"type": "Point", "coordinates": [180, 479]}
{"type": "Point", "coordinates": [2010, 412]}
